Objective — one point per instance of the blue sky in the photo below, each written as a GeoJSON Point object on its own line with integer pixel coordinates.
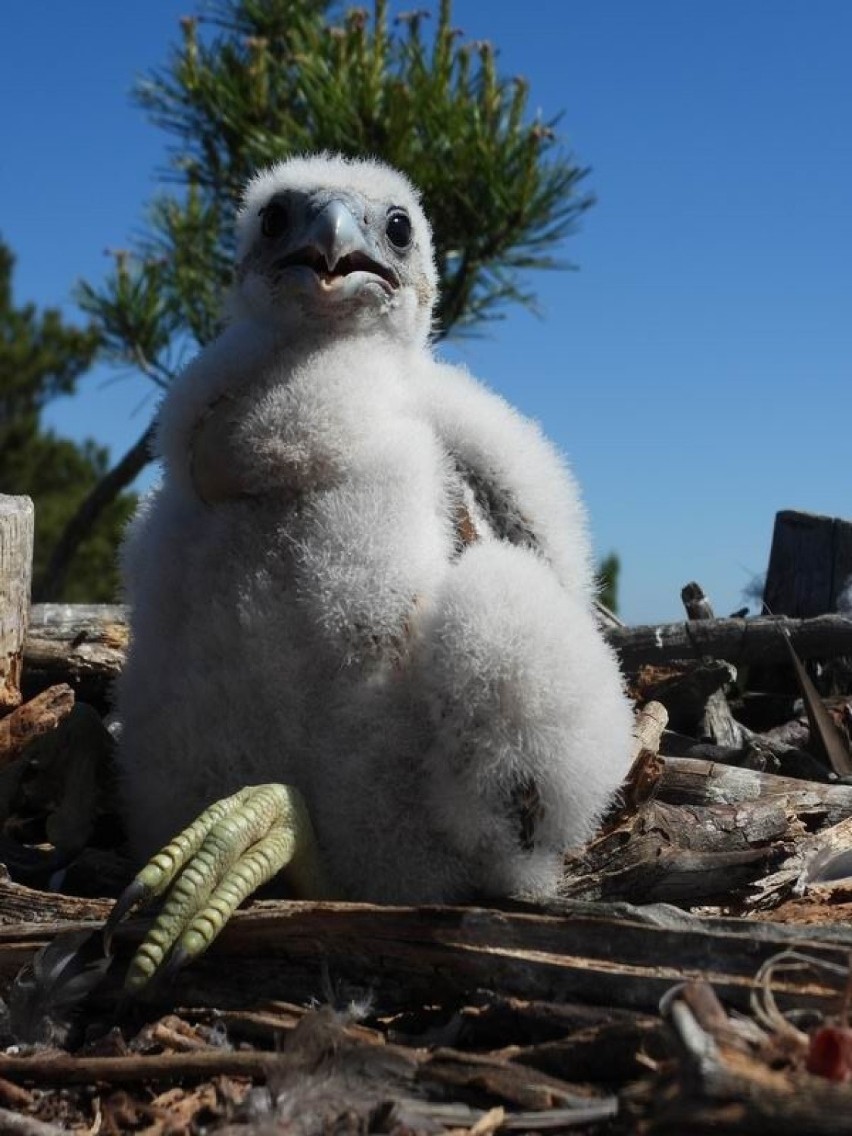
{"type": "Point", "coordinates": [696, 369]}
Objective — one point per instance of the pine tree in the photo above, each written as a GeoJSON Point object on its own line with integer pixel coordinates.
{"type": "Point", "coordinates": [258, 80]}
{"type": "Point", "coordinates": [608, 573]}
{"type": "Point", "coordinates": [40, 358]}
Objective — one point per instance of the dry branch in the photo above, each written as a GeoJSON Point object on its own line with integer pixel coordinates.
{"type": "Point", "coordinates": [81, 644]}
{"type": "Point", "coordinates": [717, 723]}
{"type": "Point", "coordinates": [692, 781]}
{"type": "Point", "coordinates": [84, 644]}
{"type": "Point", "coordinates": [683, 854]}
{"type": "Point", "coordinates": [38, 716]}
{"type": "Point", "coordinates": [648, 729]}
{"type": "Point", "coordinates": [738, 641]}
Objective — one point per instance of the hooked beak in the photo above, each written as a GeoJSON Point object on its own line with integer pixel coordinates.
{"type": "Point", "coordinates": [335, 247]}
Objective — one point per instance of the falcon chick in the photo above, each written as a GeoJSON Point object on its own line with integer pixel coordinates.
{"type": "Point", "coordinates": [365, 577]}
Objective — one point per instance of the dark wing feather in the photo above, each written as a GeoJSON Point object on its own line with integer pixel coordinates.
{"type": "Point", "coordinates": [486, 503]}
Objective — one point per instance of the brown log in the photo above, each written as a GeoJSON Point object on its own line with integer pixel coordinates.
{"type": "Point", "coordinates": [16, 555]}
{"type": "Point", "coordinates": [62, 1068]}
{"type": "Point", "coordinates": [606, 1053]}
{"type": "Point", "coordinates": [694, 832]}
{"type": "Point", "coordinates": [738, 641]}
{"type": "Point", "coordinates": [692, 781]}
{"type": "Point", "coordinates": [688, 690]}
{"type": "Point", "coordinates": [687, 855]}
{"type": "Point", "coordinates": [610, 954]}
{"type": "Point", "coordinates": [81, 644]}
{"type": "Point", "coordinates": [84, 644]}
{"type": "Point", "coordinates": [819, 864]}
{"type": "Point", "coordinates": [347, 1075]}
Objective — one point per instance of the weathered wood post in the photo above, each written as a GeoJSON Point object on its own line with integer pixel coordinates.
{"type": "Point", "coordinates": [16, 559]}
{"type": "Point", "coordinates": [810, 565]}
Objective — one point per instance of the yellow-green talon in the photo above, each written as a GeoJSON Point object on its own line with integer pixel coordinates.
{"type": "Point", "coordinates": [235, 846]}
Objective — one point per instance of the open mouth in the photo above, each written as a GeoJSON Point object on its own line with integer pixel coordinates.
{"type": "Point", "coordinates": [309, 257]}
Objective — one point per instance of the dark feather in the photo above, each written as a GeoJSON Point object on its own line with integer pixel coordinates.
{"type": "Point", "coordinates": [527, 807]}
{"type": "Point", "coordinates": [497, 508]}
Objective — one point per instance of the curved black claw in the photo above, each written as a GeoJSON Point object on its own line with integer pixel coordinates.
{"type": "Point", "coordinates": [175, 963]}
{"type": "Point", "coordinates": [135, 893]}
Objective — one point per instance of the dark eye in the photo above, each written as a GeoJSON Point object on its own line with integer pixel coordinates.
{"type": "Point", "coordinates": [399, 229]}
{"type": "Point", "coordinates": [273, 219]}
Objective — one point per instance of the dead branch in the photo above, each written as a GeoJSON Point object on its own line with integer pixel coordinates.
{"type": "Point", "coordinates": [692, 781]}
{"type": "Point", "coordinates": [738, 641]}
{"type": "Point", "coordinates": [85, 643]}
{"type": "Point", "coordinates": [687, 855]}
{"type": "Point", "coordinates": [38, 716]}
{"type": "Point", "coordinates": [81, 644]}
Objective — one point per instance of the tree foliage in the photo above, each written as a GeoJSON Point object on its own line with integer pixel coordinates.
{"type": "Point", "coordinates": [608, 572]}
{"type": "Point", "coordinates": [40, 358]}
{"type": "Point", "coordinates": [259, 80]}
{"type": "Point", "coordinates": [255, 81]}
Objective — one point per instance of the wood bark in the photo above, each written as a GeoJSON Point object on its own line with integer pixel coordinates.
{"type": "Point", "coordinates": [692, 781]}
{"type": "Point", "coordinates": [810, 564]}
{"type": "Point", "coordinates": [81, 644]}
{"type": "Point", "coordinates": [689, 855]}
{"type": "Point", "coordinates": [685, 690]}
{"type": "Point", "coordinates": [718, 724]}
{"type": "Point", "coordinates": [16, 554]}
{"type": "Point", "coordinates": [612, 954]}
{"type": "Point", "coordinates": [84, 644]}
{"type": "Point", "coordinates": [37, 717]}
{"type": "Point", "coordinates": [738, 641]}
{"type": "Point", "coordinates": [695, 832]}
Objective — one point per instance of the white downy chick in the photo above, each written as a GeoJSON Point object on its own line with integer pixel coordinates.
{"type": "Point", "coordinates": [364, 574]}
